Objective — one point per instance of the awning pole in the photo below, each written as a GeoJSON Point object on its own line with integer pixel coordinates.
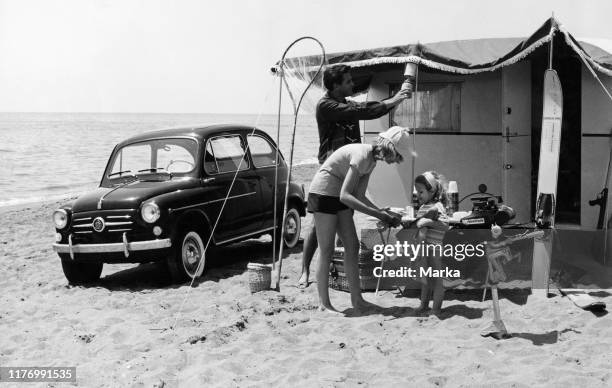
{"type": "Point", "coordinates": [552, 37]}
{"type": "Point", "coordinates": [278, 125]}
{"type": "Point", "coordinates": [414, 125]}
{"type": "Point", "coordinates": [550, 50]}
{"type": "Point", "coordinates": [277, 265]}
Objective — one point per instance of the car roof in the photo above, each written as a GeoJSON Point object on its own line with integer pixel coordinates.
{"type": "Point", "coordinates": [199, 132]}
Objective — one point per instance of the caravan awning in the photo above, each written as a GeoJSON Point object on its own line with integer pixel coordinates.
{"type": "Point", "coordinates": [469, 56]}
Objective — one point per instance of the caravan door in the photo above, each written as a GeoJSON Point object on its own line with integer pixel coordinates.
{"type": "Point", "coordinates": [516, 139]}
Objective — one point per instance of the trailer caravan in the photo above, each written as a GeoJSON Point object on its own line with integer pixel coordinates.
{"type": "Point", "coordinates": [478, 116]}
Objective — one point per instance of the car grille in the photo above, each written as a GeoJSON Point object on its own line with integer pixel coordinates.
{"type": "Point", "coordinates": [115, 222]}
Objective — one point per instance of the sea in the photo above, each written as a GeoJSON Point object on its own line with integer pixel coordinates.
{"type": "Point", "coordinates": [51, 156]}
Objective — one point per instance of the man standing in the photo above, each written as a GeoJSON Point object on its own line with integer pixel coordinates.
{"type": "Point", "coordinates": [338, 123]}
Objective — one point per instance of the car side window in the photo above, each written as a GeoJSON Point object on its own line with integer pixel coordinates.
{"type": "Point", "coordinates": [262, 151]}
{"type": "Point", "coordinates": [210, 165]}
{"type": "Point", "coordinates": [225, 154]}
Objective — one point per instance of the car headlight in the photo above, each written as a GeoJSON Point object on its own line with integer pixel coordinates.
{"type": "Point", "coordinates": [60, 218]}
{"type": "Point", "coordinates": [150, 212]}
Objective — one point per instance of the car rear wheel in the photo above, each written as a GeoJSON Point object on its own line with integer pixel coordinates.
{"type": "Point", "coordinates": [79, 273]}
{"type": "Point", "coordinates": [188, 259]}
{"type": "Point", "coordinates": [293, 227]}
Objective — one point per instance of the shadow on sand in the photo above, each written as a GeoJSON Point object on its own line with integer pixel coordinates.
{"type": "Point", "coordinates": [517, 296]}
{"type": "Point", "coordinates": [224, 263]}
{"type": "Point", "coordinates": [539, 339]}
{"type": "Point", "coordinates": [404, 312]}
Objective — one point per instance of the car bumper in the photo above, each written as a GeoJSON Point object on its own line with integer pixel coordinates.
{"type": "Point", "coordinates": [125, 247]}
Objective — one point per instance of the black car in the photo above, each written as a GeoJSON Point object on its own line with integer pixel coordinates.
{"type": "Point", "coordinates": [163, 192]}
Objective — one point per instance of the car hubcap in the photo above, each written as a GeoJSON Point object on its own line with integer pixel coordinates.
{"type": "Point", "coordinates": [192, 253]}
{"type": "Point", "coordinates": [292, 228]}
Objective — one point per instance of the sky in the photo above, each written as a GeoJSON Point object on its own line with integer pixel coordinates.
{"type": "Point", "coordinates": [188, 56]}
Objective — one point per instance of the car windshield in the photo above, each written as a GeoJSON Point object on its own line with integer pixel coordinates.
{"type": "Point", "coordinates": [160, 156]}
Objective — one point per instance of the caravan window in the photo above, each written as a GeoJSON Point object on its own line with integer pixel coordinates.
{"type": "Point", "coordinates": [438, 106]}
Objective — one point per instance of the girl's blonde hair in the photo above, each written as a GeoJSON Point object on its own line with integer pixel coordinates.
{"type": "Point", "coordinates": [435, 183]}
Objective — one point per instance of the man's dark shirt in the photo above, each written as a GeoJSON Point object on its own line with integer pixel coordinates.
{"type": "Point", "coordinates": [338, 122]}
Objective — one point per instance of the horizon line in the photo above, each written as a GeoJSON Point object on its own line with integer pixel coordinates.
{"type": "Point", "coordinates": [160, 113]}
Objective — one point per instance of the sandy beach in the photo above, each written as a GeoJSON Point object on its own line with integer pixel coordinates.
{"type": "Point", "coordinates": [135, 328]}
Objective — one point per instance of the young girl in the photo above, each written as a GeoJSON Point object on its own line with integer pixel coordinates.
{"type": "Point", "coordinates": [432, 222]}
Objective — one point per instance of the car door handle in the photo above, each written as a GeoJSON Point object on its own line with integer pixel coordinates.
{"type": "Point", "coordinates": [208, 180]}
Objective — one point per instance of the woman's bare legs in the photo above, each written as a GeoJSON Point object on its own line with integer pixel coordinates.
{"type": "Point", "coordinates": [348, 235]}
{"type": "Point", "coordinates": [325, 226]}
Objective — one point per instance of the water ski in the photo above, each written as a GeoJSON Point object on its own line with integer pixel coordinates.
{"type": "Point", "coordinates": [547, 181]}
{"type": "Point", "coordinates": [583, 300]}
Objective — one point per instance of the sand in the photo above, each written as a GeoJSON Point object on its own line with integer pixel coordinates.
{"type": "Point", "coordinates": [135, 328]}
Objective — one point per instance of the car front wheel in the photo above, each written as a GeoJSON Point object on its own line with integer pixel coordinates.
{"type": "Point", "coordinates": [79, 273]}
{"type": "Point", "coordinates": [188, 259]}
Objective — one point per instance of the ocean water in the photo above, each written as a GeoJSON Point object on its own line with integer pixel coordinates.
{"type": "Point", "coordinates": [47, 156]}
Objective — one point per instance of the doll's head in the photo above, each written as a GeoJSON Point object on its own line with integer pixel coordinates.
{"type": "Point", "coordinates": [496, 231]}
{"type": "Point", "coordinates": [430, 187]}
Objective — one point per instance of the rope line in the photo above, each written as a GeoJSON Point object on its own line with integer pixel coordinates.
{"type": "Point", "coordinates": [201, 264]}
